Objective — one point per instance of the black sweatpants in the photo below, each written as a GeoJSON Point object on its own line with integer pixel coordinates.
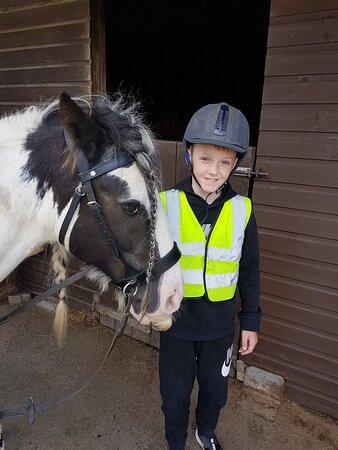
{"type": "Point", "coordinates": [180, 362]}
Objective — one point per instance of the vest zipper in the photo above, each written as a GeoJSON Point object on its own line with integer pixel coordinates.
{"type": "Point", "coordinates": [206, 252]}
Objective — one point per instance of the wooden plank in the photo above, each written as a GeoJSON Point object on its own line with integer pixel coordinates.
{"type": "Point", "coordinates": [45, 36]}
{"type": "Point", "coordinates": [316, 118]}
{"type": "Point", "coordinates": [46, 55]}
{"type": "Point", "coordinates": [302, 60]}
{"type": "Point", "coordinates": [314, 400]}
{"type": "Point", "coordinates": [320, 341]}
{"type": "Point", "coordinates": [298, 295]}
{"type": "Point", "coordinates": [301, 89]}
{"type": "Point", "coordinates": [314, 248]}
{"type": "Point", "coordinates": [78, 304]}
{"type": "Point", "coordinates": [81, 295]}
{"type": "Point", "coordinates": [290, 7]}
{"type": "Point", "coordinates": [107, 298]}
{"type": "Point", "coordinates": [29, 285]}
{"type": "Point", "coordinates": [323, 274]}
{"type": "Point", "coordinates": [305, 31]}
{"type": "Point", "coordinates": [56, 74]}
{"type": "Point", "coordinates": [167, 156]}
{"type": "Point", "coordinates": [98, 46]}
{"type": "Point", "coordinates": [296, 221]}
{"type": "Point", "coordinates": [38, 92]}
{"type": "Point", "coordinates": [28, 276]}
{"type": "Point", "coordinates": [306, 17]}
{"type": "Point", "coordinates": [293, 353]}
{"type": "Point", "coordinates": [39, 262]}
{"type": "Point", "coordinates": [20, 4]}
{"type": "Point", "coordinates": [289, 144]}
{"type": "Point", "coordinates": [300, 313]}
{"type": "Point", "coordinates": [319, 383]}
{"type": "Point", "coordinates": [307, 198]}
{"type": "Point", "coordinates": [299, 171]}
{"type": "Point", "coordinates": [44, 15]}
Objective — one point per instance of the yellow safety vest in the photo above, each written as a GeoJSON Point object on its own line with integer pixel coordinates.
{"type": "Point", "coordinates": [208, 264]}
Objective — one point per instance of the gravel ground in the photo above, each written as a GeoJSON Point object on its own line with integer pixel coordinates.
{"type": "Point", "coordinates": [121, 410]}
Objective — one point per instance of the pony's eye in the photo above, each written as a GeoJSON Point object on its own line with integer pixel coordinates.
{"type": "Point", "coordinates": [131, 207]}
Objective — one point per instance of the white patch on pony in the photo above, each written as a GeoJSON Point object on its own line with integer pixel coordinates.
{"type": "Point", "coordinates": [71, 224]}
{"type": "Point", "coordinates": [136, 183]}
{"type": "Point", "coordinates": [19, 203]}
{"type": "Point", "coordinates": [23, 206]}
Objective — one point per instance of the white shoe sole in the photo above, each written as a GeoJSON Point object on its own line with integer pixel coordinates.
{"type": "Point", "coordinates": [198, 438]}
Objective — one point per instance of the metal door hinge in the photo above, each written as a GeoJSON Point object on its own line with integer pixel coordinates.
{"type": "Point", "coordinates": [248, 172]}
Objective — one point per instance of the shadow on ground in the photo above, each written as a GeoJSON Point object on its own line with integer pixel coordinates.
{"type": "Point", "coordinates": [121, 409]}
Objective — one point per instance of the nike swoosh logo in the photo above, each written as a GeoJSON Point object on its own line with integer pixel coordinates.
{"type": "Point", "coordinates": [225, 370]}
{"type": "Point", "coordinates": [227, 363]}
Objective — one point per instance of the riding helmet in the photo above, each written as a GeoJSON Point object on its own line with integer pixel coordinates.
{"type": "Point", "coordinates": [218, 124]}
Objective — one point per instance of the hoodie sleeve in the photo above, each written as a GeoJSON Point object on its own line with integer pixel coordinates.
{"type": "Point", "coordinates": [249, 279]}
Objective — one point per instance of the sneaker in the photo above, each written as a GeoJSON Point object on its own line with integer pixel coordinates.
{"type": "Point", "coordinates": [209, 443]}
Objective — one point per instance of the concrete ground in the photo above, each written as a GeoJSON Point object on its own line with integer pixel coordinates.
{"type": "Point", "coordinates": [120, 410]}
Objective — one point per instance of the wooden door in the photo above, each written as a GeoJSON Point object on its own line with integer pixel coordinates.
{"type": "Point", "coordinates": [296, 205]}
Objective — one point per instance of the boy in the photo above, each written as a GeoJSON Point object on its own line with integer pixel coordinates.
{"type": "Point", "coordinates": [216, 231]}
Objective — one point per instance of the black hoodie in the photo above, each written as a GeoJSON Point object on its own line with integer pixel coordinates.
{"type": "Point", "coordinates": [200, 319]}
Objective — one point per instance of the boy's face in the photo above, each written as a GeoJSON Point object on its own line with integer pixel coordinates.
{"type": "Point", "coordinates": [212, 166]}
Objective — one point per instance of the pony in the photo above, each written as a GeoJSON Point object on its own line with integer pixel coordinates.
{"type": "Point", "coordinates": [39, 147]}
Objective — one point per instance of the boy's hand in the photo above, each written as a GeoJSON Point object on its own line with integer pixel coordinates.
{"type": "Point", "coordinates": [249, 340]}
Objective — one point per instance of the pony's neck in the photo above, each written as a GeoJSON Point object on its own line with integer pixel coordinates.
{"type": "Point", "coordinates": [34, 191]}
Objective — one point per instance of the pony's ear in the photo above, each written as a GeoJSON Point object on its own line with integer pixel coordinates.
{"type": "Point", "coordinates": [85, 133]}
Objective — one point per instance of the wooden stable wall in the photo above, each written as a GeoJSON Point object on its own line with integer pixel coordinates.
{"type": "Point", "coordinates": [44, 50]}
{"type": "Point", "coordinates": [297, 204]}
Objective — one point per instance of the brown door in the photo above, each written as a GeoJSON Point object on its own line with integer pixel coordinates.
{"type": "Point", "coordinates": [296, 205]}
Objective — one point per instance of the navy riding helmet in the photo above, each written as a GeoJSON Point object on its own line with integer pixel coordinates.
{"type": "Point", "coordinates": [218, 124]}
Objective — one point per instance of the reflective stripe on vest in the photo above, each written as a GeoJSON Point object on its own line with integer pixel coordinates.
{"type": "Point", "coordinates": [219, 273]}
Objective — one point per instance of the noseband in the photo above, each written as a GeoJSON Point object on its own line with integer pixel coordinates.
{"type": "Point", "coordinates": [85, 188]}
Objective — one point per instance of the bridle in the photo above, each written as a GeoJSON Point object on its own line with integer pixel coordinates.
{"type": "Point", "coordinates": [128, 284]}
{"type": "Point", "coordinates": [85, 188]}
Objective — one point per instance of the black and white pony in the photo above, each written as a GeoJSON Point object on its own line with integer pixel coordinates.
{"type": "Point", "coordinates": [38, 178]}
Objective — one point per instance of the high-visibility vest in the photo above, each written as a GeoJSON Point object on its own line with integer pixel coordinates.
{"type": "Point", "coordinates": [208, 264]}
